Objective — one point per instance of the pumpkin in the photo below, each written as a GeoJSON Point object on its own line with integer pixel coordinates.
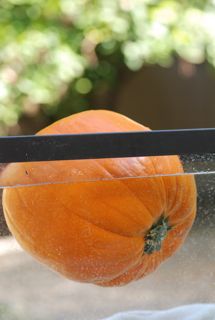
{"type": "Point", "coordinates": [106, 232]}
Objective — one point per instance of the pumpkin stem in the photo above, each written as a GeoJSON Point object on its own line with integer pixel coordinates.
{"type": "Point", "coordinates": [156, 235]}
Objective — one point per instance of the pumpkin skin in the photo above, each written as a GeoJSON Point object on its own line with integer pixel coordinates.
{"type": "Point", "coordinates": [108, 233]}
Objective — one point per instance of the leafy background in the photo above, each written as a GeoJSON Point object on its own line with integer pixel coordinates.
{"type": "Point", "coordinates": [58, 57]}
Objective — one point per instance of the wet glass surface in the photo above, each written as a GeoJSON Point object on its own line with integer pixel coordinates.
{"type": "Point", "coordinates": [72, 171]}
{"type": "Point", "coordinates": [29, 290]}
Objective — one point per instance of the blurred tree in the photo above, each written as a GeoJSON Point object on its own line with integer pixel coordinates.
{"type": "Point", "coordinates": [59, 56]}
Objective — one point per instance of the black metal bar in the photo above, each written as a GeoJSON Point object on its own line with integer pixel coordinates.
{"type": "Point", "coordinates": [106, 145]}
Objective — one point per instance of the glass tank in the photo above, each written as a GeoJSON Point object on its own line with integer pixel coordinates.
{"type": "Point", "coordinates": [32, 290]}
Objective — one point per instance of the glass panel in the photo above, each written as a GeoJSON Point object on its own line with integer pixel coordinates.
{"type": "Point", "coordinates": [30, 290]}
{"type": "Point", "coordinates": [72, 171]}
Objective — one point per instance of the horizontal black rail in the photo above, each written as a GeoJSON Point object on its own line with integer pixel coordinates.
{"type": "Point", "coordinates": [106, 145]}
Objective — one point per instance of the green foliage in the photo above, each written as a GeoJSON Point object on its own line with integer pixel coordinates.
{"type": "Point", "coordinates": [48, 48]}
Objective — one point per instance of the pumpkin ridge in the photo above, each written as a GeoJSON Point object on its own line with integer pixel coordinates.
{"type": "Point", "coordinates": [143, 204]}
{"type": "Point", "coordinates": [177, 198]}
{"type": "Point", "coordinates": [22, 241]}
{"type": "Point", "coordinates": [161, 179]}
{"type": "Point", "coordinates": [163, 185]}
{"type": "Point", "coordinates": [155, 259]}
{"type": "Point", "coordinates": [124, 273]}
{"type": "Point", "coordinates": [83, 219]}
{"type": "Point", "coordinates": [123, 181]}
{"type": "Point", "coordinates": [176, 193]}
{"type": "Point", "coordinates": [146, 177]}
{"type": "Point", "coordinates": [131, 269]}
{"type": "Point", "coordinates": [101, 228]}
{"type": "Point", "coordinates": [180, 222]}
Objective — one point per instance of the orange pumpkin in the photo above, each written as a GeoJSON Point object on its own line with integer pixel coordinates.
{"type": "Point", "coordinates": [104, 232]}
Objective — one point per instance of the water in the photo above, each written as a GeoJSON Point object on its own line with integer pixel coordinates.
{"type": "Point", "coordinates": [29, 290]}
